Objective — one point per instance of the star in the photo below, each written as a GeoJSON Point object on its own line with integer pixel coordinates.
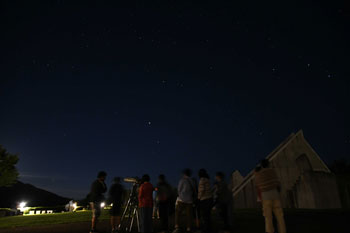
{"type": "Point", "coordinates": [149, 123]}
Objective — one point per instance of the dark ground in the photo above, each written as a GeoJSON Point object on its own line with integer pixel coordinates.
{"type": "Point", "coordinates": [246, 221]}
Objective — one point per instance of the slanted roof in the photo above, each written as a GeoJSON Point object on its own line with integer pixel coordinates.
{"type": "Point", "coordinates": [274, 153]}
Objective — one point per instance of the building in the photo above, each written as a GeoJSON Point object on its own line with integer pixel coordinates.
{"type": "Point", "coordinates": [306, 180]}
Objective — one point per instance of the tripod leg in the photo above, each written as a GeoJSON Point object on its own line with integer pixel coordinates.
{"type": "Point", "coordinates": [137, 220]}
{"type": "Point", "coordinates": [125, 210]}
{"type": "Point", "coordinates": [132, 219]}
{"type": "Point", "coordinates": [124, 214]}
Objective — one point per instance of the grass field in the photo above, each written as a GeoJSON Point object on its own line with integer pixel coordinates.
{"type": "Point", "coordinates": [48, 219]}
{"type": "Point", "coordinates": [245, 221]}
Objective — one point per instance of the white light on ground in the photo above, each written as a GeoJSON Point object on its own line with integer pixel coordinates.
{"type": "Point", "coordinates": [102, 204]}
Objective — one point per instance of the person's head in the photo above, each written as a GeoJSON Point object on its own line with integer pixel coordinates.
{"type": "Point", "coordinates": [117, 180]}
{"type": "Point", "coordinates": [101, 175]}
{"type": "Point", "coordinates": [265, 163]}
{"type": "Point", "coordinates": [257, 168]}
{"type": "Point", "coordinates": [161, 178]}
{"type": "Point", "coordinates": [202, 173]}
{"type": "Point", "coordinates": [187, 172]}
{"type": "Point", "coordinates": [146, 178]}
{"type": "Point", "coordinates": [219, 176]}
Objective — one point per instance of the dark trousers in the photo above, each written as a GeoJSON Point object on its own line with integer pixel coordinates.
{"type": "Point", "coordinates": [225, 212]}
{"type": "Point", "coordinates": [205, 211]}
{"type": "Point", "coordinates": [146, 219]}
{"type": "Point", "coordinates": [164, 215]}
{"type": "Point", "coordinates": [188, 208]}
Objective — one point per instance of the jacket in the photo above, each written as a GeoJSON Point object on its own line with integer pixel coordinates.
{"type": "Point", "coordinates": [97, 189]}
{"type": "Point", "coordinates": [266, 179]}
{"type": "Point", "coordinates": [204, 190]}
{"type": "Point", "coordinates": [146, 195]}
{"type": "Point", "coordinates": [186, 190]}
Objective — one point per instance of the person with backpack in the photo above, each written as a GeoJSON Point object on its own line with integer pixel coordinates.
{"type": "Point", "coordinates": [205, 198]}
{"type": "Point", "coordinates": [164, 192]}
{"type": "Point", "coordinates": [184, 202]}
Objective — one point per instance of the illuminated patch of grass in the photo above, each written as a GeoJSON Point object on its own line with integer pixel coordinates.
{"type": "Point", "coordinates": [48, 219]}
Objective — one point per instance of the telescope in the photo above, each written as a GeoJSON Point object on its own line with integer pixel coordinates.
{"type": "Point", "coordinates": [132, 180]}
{"type": "Point", "coordinates": [131, 212]}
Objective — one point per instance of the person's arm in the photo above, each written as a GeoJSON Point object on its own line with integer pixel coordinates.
{"type": "Point", "coordinates": [104, 187]}
{"type": "Point", "coordinates": [141, 192]}
{"type": "Point", "coordinates": [258, 191]}
{"type": "Point", "coordinates": [201, 187]}
{"type": "Point", "coordinates": [180, 187]}
{"type": "Point", "coordinates": [151, 191]}
{"type": "Point", "coordinates": [279, 183]}
{"type": "Point", "coordinates": [94, 191]}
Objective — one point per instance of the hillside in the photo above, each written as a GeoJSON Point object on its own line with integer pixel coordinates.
{"type": "Point", "coordinates": [32, 195]}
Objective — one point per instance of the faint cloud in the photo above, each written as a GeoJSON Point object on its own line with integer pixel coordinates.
{"type": "Point", "coordinates": [25, 175]}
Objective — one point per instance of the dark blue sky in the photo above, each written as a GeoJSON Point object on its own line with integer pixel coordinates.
{"type": "Point", "coordinates": [156, 87]}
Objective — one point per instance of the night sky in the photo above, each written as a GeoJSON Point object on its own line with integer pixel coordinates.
{"type": "Point", "coordinates": [134, 87]}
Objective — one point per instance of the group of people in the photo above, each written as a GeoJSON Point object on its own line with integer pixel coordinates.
{"type": "Point", "coordinates": [202, 198]}
{"type": "Point", "coordinates": [194, 201]}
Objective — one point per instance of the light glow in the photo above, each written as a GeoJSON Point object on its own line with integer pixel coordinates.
{"type": "Point", "coordinates": [103, 204]}
{"type": "Point", "coordinates": [22, 204]}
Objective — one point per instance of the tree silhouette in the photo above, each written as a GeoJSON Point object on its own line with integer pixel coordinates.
{"type": "Point", "coordinates": [8, 171]}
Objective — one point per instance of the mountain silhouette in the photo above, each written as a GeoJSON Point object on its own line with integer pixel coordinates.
{"type": "Point", "coordinates": [34, 196]}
